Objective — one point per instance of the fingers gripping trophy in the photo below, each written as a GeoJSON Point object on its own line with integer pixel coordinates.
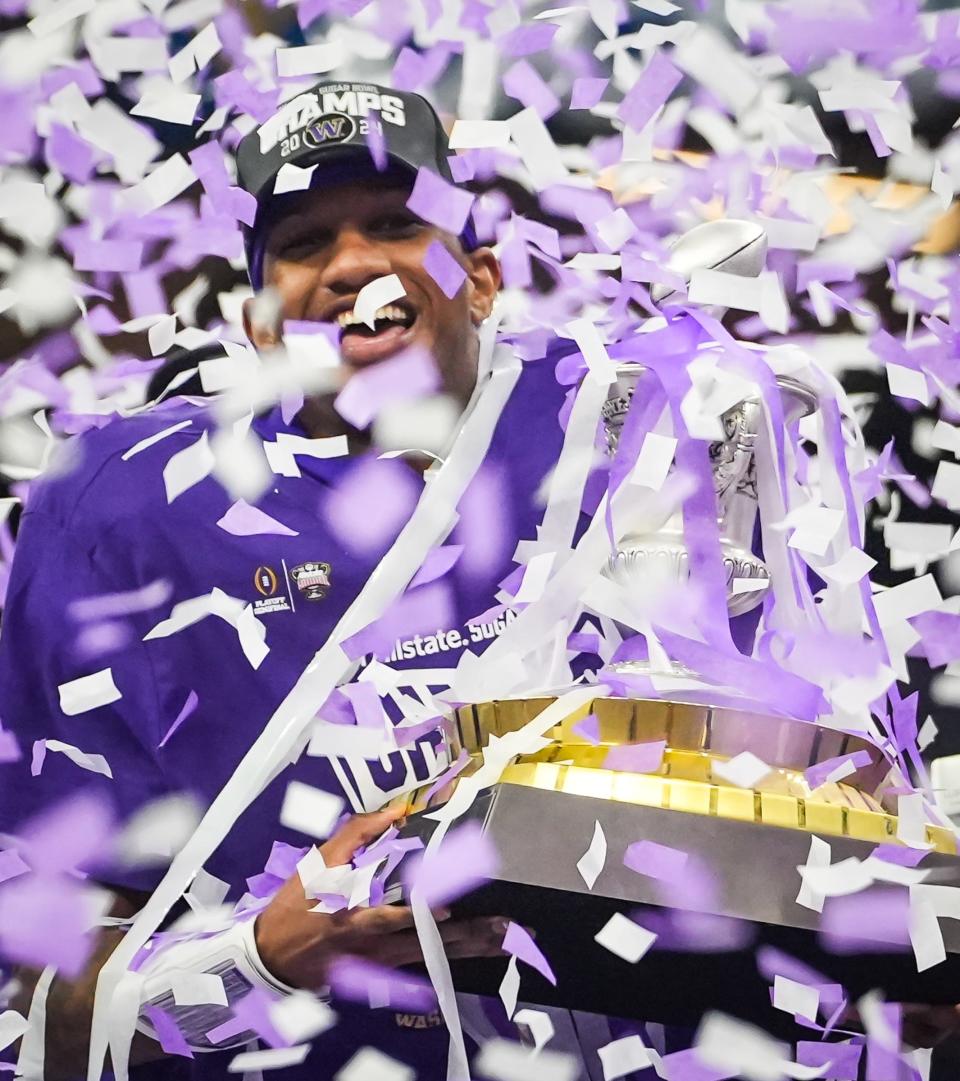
{"type": "Point", "coordinates": [702, 776]}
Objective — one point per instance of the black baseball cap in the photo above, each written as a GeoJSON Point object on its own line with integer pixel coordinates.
{"type": "Point", "coordinates": [328, 126]}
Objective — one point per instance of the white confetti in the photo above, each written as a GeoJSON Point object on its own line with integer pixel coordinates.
{"type": "Point", "coordinates": [307, 60]}
{"type": "Point", "coordinates": [623, 1056]}
{"type": "Point", "coordinates": [505, 1060]}
{"type": "Point", "coordinates": [510, 987]}
{"type": "Point", "coordinates": [620, 935]}
{"type": "Point", "coordinates": [196, 54]}
{"type": "Point", "coordinates": [88, 692]}
{"type": "Point", "coordinates": [654, 461]}
{"type": "Point", "coordinates": [374, 295]}
{"type": "Point", "coordinates": [795, 998]}
{"type": "Point", "coordinates": [310, 810]}
{"type": "Point", "coordinates": [58, 15]}
{"type": "Point", "coordinates": [12, 1026]}
{"type": "Point", "coordinates": [591, 862]}
{"type": "Point", "coordinates": [161, 335]}
{"type": "Point", "coordinates": [198, 988]}
{"type": "Point", "coordinates": [95, 763]}
{"type": "Point", "coordinates": [818, 856]}
{"type": "Point", "coordinates": [744, 770]}
{"type": "Point", "coordinates": [535, 578]}
{"type": "Point", "coordinates": [171, 105]}
{"type": "Point", "coordinates": [274, 1058]}
{"type": "Point", "coordinates": [166, 182]}
{"type": "Point", "coordinates": [369, 1064]}
{"type": "Point", "coordinates": [474, 134]}
{"type": "Point", "coordinates": [188, 467]}
{"type": "Point", "coordinates": [538, 1023]}
{"type": "Point", "coordinates": [946, 485]}
{"type": "Point", "coordinates": [908, 383]}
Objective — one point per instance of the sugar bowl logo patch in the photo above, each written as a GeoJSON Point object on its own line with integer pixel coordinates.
{"type": "Point", "coordinates": [266, 582]}
{"type": "Point", "coordinates": [312, 579]}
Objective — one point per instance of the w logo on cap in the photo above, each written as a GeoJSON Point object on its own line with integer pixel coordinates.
{"type": "Point", "coordinates": [332, 128]}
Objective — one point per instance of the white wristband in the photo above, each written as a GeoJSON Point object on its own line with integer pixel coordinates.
{"type": "Point", "coordinates": [232, 955]}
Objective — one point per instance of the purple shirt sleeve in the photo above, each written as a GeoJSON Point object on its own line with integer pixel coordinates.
{"type": "Point", "coordinates": [41, 647]}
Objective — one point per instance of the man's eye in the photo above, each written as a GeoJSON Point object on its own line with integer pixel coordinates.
{"type": "Point", "coordinates": [297, 247]}
{"type": "Point", "coordinates": [394, 225]}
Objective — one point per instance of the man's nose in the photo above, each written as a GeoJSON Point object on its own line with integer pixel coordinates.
{"type": "Point", "coordinates": [353, 261]}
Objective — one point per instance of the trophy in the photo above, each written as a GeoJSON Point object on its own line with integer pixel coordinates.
{"type": "Point", "coordinates": [748, 842]}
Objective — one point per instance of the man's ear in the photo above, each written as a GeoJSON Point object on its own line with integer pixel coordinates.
{"type": "Point", "coordinates": [483, 282]}
{"type": "Point", "coordinates": [262, 320]}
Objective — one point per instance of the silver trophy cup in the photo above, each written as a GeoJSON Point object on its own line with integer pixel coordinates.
{"type": "Point", "coordinates": [736, 247]}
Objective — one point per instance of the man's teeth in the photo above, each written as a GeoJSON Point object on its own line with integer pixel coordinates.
{"type": "Point", "coordinates": [388, 311]}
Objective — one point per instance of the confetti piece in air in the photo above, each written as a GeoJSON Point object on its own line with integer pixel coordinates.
{"type": "Point", "coordinates": [274, 1058]}
{"type": "Point", "coordinates": [623, 1056]}
{"type": "Point", "coordinates": [310, 810]}
{"type": "Point", "coordinates": [375, 295]}
{"type": "Point", "coordinates": [399, 379]}
{"type": "Point", "coordinates": [59, 16]}
{"type": "Point", "coordinates": [509, 988]}
{"type": "Point", "coordinates": [11, 864]}
{"type": "Point", "coordinates": [307, 60]}
{"type": "Point", "coordinates": [795, 998]}
{"type": "Point", "coordinates": [591, 862]}
{"type": "Point", "coordinates": [242, 520]}
{"type": "Point", "coordinates": [466, 859]}
{"type": "Point", "coordinates": [518, 943]}
{"type": "Point", "coordinates": [88, 692]}
{"type": "Point", "coordinates": [369, 1064]}
{"type": "Point", "coordinates": [744, 770]}
{"type": "Point", "coordinates": [656, 860]}
{"type": "Point", "coordinates": [12, 1026]}
{"type": "Point", "coordinates": [475, 134]}
{"type": "Point", "coordinates": [188, 467]}
{"type": "Point", "coordinates": [438, 202]}
{"type": "Point", "coordinates": [445, 270]}
{"type": "Point", "coordinates": [95, 763]}
{"type": "Point", "coordinates": [157, 437]}
{"type": "Point", "coordinates": [506, 1060]}
{"type": "Point", "coordinates": [197, 988]}
{"type": "Point", "coordinates": [636, 757]}
{"type": "Point", "coordinates": [621, 936]}
{"type": "Point", "coordinates": [169, 1036]}
{"type": "Point", "coordinates": [539, 1025]}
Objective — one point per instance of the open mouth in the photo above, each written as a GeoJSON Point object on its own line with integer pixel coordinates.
{"type": "Point", "coordinates": [392, 330]}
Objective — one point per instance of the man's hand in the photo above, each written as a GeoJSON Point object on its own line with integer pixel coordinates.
{"type": "Point", "coordinates": [926, 1026]}
{"type": "Point", "coordinates": [298, 945]}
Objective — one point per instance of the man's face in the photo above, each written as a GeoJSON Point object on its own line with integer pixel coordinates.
{"type": "Point", "coordinates": [332, 241]}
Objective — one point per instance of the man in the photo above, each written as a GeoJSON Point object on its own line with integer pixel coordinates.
{"type": "Point", "coordinates": [105, 527]}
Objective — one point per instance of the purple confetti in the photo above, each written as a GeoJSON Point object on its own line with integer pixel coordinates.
{"type": "Point", "coordinates": [636, 757]}
{"type": "Point", "coordinates": [409, 375]}
{"type": "Point", "coordinates": [445, 270]}
{"type": "Point", "coordinates": [438, 562]}
{"type": "Point", "coordinates": [659, 80]}
{"type": "Point", "coordinates": [465, 860]}
{"type": "Point", "coordinates": [523, 82]}
{"type": "Point", "coordinates": [170, 1037]}
{"type": "Point", "coordinates": [440, 203]}
{"type": "Point", "coordinates": [11, 864]}
{"type": "Point", "coordinates": [186, 710]}
{"type": "Point", "coordinates": [388, 485]}
{"type": "Point", "coordinates": [842, 1058]}
{"type": "Point", "coordinates": [588, 728]}
{"type": "Point", "coordinates": [656, 861]}
{"type": "Point", "coordinates": [587, 92]}
{"type": "Point", "coordinates": [359, 980]}
{"type": "Point", "coordinates": [518, 943]}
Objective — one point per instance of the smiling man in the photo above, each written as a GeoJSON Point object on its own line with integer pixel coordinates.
{"type": "Point", "coordinates": [118, 529]}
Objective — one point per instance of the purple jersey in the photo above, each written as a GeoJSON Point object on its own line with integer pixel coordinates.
{"type": "Point", "coordinates": [105, 527]}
